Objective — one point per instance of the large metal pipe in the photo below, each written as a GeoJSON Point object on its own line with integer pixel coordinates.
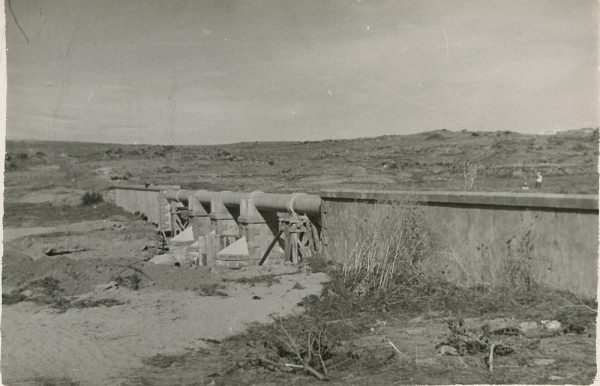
{"type": "Point", "coordinates": [178, 195]}
{"type": "Point", "coordinates": [294, 202]}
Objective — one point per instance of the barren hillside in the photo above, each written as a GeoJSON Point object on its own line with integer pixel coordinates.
{"type": "Point", "coordinates": [498, 161]}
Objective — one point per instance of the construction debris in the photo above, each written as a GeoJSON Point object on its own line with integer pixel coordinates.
{"type": "Point", "coordinates": [63, 250]}
{"type": "Point", "coordinates": [551, 325]}
{"type": "Point", "coordinates": [447, 350]}
{"type": "Point", "coordinates": [527, 328]}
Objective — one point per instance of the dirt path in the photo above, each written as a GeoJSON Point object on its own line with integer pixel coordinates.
{"type": "Point", "coordinates": [13, 233]}
{"type": "Point", "coordinates": [52, 196]}
{"type": "Point", "coordinates": [100, 345]}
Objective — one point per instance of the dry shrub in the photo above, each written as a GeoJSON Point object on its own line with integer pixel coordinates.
{"type": "Point", "coordinates": [91, 198]}
{"type": "Point", "coordinates": [211, 290]}
{"type": "Point", "coordinates": [382, 245]}
{"type": "Point", "coordinates": [388, 246]}
{"type": "Point", "coordinates": [63, 304]}
{"type": "Point", "coordinates": [503, 258]}
{"type": "Point", "coordinates": [55, 381]}
{"type": "Point", "coordinates": [517, 271]}
{"type": "Point", "coordinates": [297, 344]}
{"type": "Point", "coordinates": [130, 281]}
{"type": "Point", "coordinates": [470, 170]}
{"type": "Point", "coordinates": [267, 280]}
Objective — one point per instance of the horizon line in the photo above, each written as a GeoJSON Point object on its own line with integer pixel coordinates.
{"type": "Point", "coordinates": [543, 132]}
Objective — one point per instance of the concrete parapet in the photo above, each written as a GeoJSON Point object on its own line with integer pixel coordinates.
{"type": "Point", "coordinates": [482, 236]}
{"type": "Point", "coordinates": [585, 202]}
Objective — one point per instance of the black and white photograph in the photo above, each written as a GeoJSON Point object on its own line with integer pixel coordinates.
{"type": "Point", "coordinates": [299, 192]}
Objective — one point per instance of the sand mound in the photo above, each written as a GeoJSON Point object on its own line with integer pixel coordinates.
{"type": "Point", "coordinates": [91, 315]}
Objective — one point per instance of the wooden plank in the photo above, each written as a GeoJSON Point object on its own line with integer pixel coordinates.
{"type": "Point", "coordinates": [213, 245]}
{"type": "Point", "coordinates": [202, 250]}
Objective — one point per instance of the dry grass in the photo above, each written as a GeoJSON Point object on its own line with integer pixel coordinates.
{"type": "Point", "coordinates": [382, 245]}
{"type": "Point", "coordinates": [341, 315]}
{"type": "Point", "coordinates": [211, 290]}
{"type": "Point", "coordinates": [63, 305]}
{"type": "Point", "coordinates": [266, 280]}
{"type": "Point", "coordinates": [470, 170]}
{"type": "Point", "coordinates": [504, 259]}
{"type": "Point", "coordinates": [55, 381]}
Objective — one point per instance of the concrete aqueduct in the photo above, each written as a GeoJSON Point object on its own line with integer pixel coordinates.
{"type": "Point", "coordinates": [557, 233]}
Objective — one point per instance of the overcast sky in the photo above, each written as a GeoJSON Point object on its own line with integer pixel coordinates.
{"type": "Point", "coordinates": [221, 71]}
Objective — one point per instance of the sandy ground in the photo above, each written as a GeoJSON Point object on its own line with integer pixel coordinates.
{"type": "Point", "coordinates": [101, 345]}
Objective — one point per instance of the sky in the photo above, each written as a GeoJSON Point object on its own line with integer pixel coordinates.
{"type": "Point", "coordinates": [222, 71]}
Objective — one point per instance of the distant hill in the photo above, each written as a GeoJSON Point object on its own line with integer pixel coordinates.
{"type": "Point", "coordinates": [435, 160]}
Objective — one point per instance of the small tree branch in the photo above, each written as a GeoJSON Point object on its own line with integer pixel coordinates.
{"type": "Point", "coordinates": [309, 369]}
{"type": "Point", "coordinates": [395, 347]}
{"type": "Point", "coordinates": [491, 358]}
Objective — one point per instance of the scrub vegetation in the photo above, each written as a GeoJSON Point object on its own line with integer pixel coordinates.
{"type": "Point", "coordinates": [438, 160]}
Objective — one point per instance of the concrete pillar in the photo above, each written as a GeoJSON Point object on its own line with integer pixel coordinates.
{"type": "Point", "coordinates": [199, 218]}
{"type": "Point", "coordinates": [258, 234]}
{"type": "Point", "coordinates": [225, 227]}
{"type": "Point", "coordinates": [173, 218]}
{"type": "Point", "coordinates": [223, 222]}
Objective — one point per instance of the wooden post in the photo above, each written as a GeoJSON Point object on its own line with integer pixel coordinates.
{"type": "Point", "coordinates": [264, 257]}
{"type": "Point", "coordinates": [202, 250]}
{"type": "Point", "coordinates": [288, 245]}
{"type": "Point", "coordinates": [213, 245]}
{"type": "Point", "coordinates": [294, 247]}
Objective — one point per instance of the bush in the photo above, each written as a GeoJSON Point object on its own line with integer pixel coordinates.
{"type": "Point", "coordinates": [579, 147]}
{"type": "Point", "coordinates": [91, 198]}
{"type": "Point", "coordinates": [470, 170]}
{"type": "Point", "coordinates": [383, 250]}
{"type": "Point", "coordinates": [168, 169]}
{"type": "Point", "coordinates": [132, 281]}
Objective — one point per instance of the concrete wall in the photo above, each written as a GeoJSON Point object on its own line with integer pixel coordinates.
{"type": "Point", "coordinates": [146, 201]}
{"type": "Point", "coordinates": [490, 238]}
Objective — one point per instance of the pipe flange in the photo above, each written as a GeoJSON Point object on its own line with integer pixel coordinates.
{"type": "Point", "coordinates": [177, 196]}
{"type": "Point", "coordinates": [290, 204]}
